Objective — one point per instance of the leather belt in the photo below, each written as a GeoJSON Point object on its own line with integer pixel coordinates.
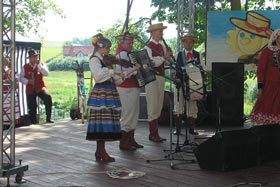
{"type": "Point", "coordinates": [104, 83]}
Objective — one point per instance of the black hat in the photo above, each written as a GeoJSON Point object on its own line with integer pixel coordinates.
{"type": "Point", "coordinates": [32, 53]}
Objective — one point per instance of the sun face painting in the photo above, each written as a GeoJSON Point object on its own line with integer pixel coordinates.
{"type": "Point", "coordinates": [244, 43]}
{"type": "Point", "coordinates": [241, 37]}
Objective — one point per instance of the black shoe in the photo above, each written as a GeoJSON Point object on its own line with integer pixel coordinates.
{"type": "Point", "coordinates": [50, 121]}
{"type": "Point", "coordinates": [176, 132]}
{"type": "Point", "coordinates": [191, 131]}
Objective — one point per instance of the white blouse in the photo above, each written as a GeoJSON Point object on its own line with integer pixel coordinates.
{"type": "Point", "coordinates": [99, 73]}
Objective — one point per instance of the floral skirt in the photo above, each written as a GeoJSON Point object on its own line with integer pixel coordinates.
{"type": "Point", "coordinates": [103, 117]}
{"type": "Point", "coordinates": [267, 108]}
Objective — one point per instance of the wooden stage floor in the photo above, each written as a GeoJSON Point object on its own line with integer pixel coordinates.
{"type": "Point", "coordinates": [59, 156]}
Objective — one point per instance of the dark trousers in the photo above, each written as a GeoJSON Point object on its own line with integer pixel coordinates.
{"type": "Point", "coordinates": [32, 105]}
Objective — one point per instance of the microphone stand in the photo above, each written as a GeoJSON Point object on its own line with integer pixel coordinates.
{"type": "Point", "coordinates": [177, 149]}
{"type": "Point", "coordinates": [170, 156]}
{"type": "Point", "coordinates": [183, 84]}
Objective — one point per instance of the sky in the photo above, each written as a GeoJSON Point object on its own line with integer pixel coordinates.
{"type": "Point", "coordinates": [85, 17]}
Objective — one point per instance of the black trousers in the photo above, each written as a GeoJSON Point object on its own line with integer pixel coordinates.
{"type": "Point", "coordinates": [32, 105]}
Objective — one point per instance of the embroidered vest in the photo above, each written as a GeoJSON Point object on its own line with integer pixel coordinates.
{"type": "Point", "coordinates": [157, 50]}
{"type": "Point", "coordinates": [128, 82]}
{"type": "Point", "coordinates": [38, 77]}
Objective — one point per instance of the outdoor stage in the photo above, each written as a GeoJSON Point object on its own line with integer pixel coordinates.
{"type": "Point", "coordinates": [58, 156]}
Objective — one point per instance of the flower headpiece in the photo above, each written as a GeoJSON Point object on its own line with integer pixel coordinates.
{"type": "Point", "coordinates": [271, 44]}
{"type": "Point", "coordinates": [96, 38]}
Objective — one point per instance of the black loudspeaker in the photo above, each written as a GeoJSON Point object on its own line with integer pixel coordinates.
{"type": "Point", "coordinates": [205, 116]}
{"type": "Point", "coordinates": [269, 142]}
{"type": "Point", "coordinates": [143, 105]}
{"type": "Point", "coordinates": [227, 92]}
{"type": "Point", "coordinates": [230, 150]}
{"type": "Point", "coordinates": [164, 118]}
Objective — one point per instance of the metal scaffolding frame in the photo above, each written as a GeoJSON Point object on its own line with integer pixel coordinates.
{"type": "Point", "coordinates": [186, 10]}
{"type": "Point", "coordinates": [8, 164]}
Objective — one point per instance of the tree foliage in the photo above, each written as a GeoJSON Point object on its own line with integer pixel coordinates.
{"type": "Point", "coordinates": [30, 14]}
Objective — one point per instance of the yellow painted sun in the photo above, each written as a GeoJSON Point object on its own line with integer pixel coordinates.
{"type": "Point", "coordinates": [244, 43]}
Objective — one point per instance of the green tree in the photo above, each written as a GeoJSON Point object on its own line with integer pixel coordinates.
{"type": "Point", "coordinates": [137, 28]}
{"type": "Point", "coordinates": [30, 14]}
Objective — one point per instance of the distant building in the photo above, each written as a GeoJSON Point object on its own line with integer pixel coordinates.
{"type": "Point", "coordinates": [77, 51]}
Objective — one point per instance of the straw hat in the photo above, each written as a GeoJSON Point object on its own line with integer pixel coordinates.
{"type": "Point", "coordinates": [254, 23]}
{"type": "Point", "coordinates": [32, 53]}
{"type": "Point", "coordinates": [189, 36]}
{"type": "Point", "coordinates": [125, 36]}
{"type": "Point", "coordinates": [157, 26]}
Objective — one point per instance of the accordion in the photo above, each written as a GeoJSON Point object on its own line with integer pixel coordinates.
{"type": "Point", "coordinates": [146, 72]}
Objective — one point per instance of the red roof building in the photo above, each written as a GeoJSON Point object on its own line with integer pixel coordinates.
{"type": "Point", "coordinates": [77, 51]}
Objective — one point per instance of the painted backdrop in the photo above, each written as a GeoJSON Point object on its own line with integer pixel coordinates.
{"type": "Point", "coordinates": [239, 36]}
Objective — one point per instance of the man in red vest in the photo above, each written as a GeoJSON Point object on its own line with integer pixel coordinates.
{"type": "Point", "coordinates": [129, 93]}
{"type": "Point", "coordinates": [32, 75]}
{"type": "Point", "coordinates": [155, 89]}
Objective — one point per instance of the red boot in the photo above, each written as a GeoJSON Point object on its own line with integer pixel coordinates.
{"type": "Point", "coordinates": [125, 142]}
{"type": "Point", "coordinates": [101, 154]}
{"type": "Point", "coordinates": [134, 143]}
{"type": "Point", "coordinates": [154, 136]}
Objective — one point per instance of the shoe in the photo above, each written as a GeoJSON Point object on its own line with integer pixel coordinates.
{"type": "Point", "coordinates": [191, 131]}
{"type": "Point", "coordinates": [50, 121]}
{"type": "Point", "coordinates": [127, 148]}
{"type": "Point", "coordinates": [137, 145]}
{"type": "Point", "coordinates": [133, 142]}
{"type": "Point", "coordinates": [104, 157]}
{"type": "Point", "coordinates": [125, 141]}
{"type": "Point", "coordinates": [176, 132]}
{"type": "Point", "coordinates": [157, 138]}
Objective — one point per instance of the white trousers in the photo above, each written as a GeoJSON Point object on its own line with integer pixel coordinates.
{"type": "Point", "coordinates": [191, 105]}
{"type": "Point", "coordinates": [155, 97]}
{"type": "Point", "coordinates": [130, 100]}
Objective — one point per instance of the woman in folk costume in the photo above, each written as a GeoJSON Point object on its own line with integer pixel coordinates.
{"type": "Point", "coordinates": [155, 89]}
{"type": "Point", "coordinates": [267, 106]}
{"type": "Point", "coordinates": [129, 93]}
{"type": "Point", "coordinates": [103, 103]}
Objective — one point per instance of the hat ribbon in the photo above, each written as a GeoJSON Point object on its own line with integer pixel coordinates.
{"type": "Point", "coordinates": [259, 29]}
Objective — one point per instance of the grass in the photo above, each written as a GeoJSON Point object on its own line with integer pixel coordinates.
{"type": "Point", "coordinates": [62, 85]}
{"type": "Point", "coordinates": [51, 50]}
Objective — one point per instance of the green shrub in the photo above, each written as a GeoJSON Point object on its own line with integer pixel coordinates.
{"type": "Point", "coordinates": [67, 64]}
